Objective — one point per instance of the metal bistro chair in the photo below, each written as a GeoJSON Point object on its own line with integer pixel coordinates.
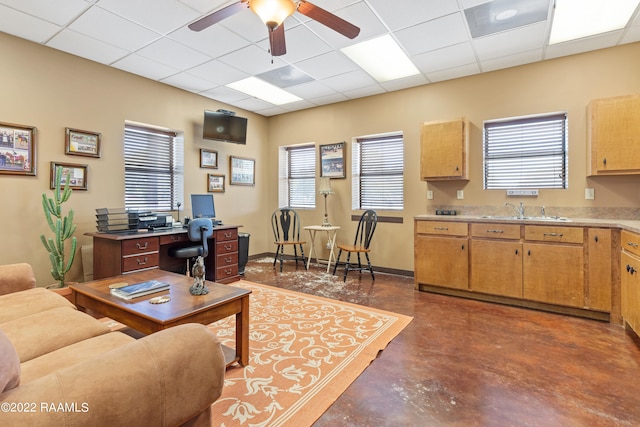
{"type": "Point", "coordinates": [366, 227]}
{"type": "Point", "coordinates": [198, 230]}
{"type": "Point", "coordinates": [286, 232]}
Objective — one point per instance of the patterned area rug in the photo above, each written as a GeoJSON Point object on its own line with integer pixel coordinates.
{"type": "Point", "coordinates": [305, 351]}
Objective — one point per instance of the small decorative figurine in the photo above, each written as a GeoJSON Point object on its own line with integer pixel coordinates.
{"type": "Point", "coordinates": [198, 287]}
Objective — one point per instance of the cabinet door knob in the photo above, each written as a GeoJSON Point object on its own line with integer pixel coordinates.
{"type": "Point", "coordinates": [604, 161]}
{"type": "Point", "coordinates": [596, 239]}
{"type": "Point", "coordinates": [516, 252]}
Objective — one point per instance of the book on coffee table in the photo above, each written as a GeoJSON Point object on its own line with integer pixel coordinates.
{"type": "Point", "coordinates": [140, 289]}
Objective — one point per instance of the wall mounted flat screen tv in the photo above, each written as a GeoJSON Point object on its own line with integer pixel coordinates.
{"type": "Point", "coordinates": [224, 127]}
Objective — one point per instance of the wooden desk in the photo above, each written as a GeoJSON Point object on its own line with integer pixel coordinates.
{"type": "Point", "coordinates": [123, 253]}
{"type": "Point", "coordinates": [221, 301]}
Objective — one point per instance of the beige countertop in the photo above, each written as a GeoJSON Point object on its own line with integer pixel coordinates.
{"type": "Point", "coordinates": [624, 224]}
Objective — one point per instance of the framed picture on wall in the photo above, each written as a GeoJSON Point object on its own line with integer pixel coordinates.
{"type": "Point", "coordinates": [17, 149]}
{"type": "Point", "coordinates": [215, 183]}
{"type": "Point", "coordinates": [77, 175]}
{"type": "Point", "coordinates": [208, 159]}
{"type": "Point", "coordinates": [242, 171]}
{"type": "Point", "coordinates": [82, 143]}
{"type": "Point", "coordinates": [332, 160]}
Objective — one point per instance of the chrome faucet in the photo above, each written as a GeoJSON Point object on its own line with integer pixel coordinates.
{"type": "Point", "coordinates": [519, 210]}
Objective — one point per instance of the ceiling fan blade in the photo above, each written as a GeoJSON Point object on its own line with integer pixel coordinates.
{"type": "Point", "coordinates": [218, 16]}
{"type": "Point", "coordinates": [328, 19]}
{"type": "Point", "coordinates": [276, 40]}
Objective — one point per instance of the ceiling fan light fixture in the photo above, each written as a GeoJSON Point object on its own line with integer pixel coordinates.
{"type": "Point", "coordinates": [272, 12]}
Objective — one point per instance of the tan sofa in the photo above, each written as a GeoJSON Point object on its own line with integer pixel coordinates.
{"type": "Point", "coordinates": [62, 367]}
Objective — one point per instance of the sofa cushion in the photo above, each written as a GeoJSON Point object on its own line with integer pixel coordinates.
{"type": "Point", "coordinates": [9, 364]}
{"type": "Point", "coordinates": [24, 303]}
{"type": "Point", "coordinates": [16, 277]}
{"type": "Point", "coordinates": [49, 330]}
{"type": "Point", "coordinates": [72, 354]}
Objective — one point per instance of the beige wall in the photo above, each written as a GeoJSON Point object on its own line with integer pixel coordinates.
{"type": "Point", "coordinates": [565, 84]}
{"type": "Point", "coordinates": [52, 90]}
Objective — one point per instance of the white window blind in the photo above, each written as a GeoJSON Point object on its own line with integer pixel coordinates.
{"type": "Point", "coordinates": [297, 171]}
{"type": "Point", "coordinates": [377, 166]}
{"type": "Point", "coordinates": [153, 169]}
{"type": "Point", "coordinates": [528, 152]}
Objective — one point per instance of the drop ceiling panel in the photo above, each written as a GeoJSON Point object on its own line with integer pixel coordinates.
{"type": "Point", "coordinates": [162, 16]}
{"type": "Point", "coordinates": [512, 60]}
{"type": "Point", "coordinates": [432, 35]}
{"type": "Point", "coordinates": [511, 42]}
{"type": "Point", "coordinates": [252, 60]}
{"type": "Point", "coordinates": [26, 26]}
{"type": "Point", "coordinates": [583, 45]}
{"type": "Point", "coordinates": [144, 67]}
{"type": "Point", "coordinates": [86, 47]}
{"type": "Point", "coordinates": [174, 54]}
{"type": "Point", "coordinates": [218, 72]}
{"type": "Point", "coordinates": [205, 6]}
{"type": "Point", "coordinates": [454, 73]}
{"type": "Point", "coordinates": [445, 58]}
{"type": "Point", "coordinates": [189, 82]}
{"type": "Point", "coordinates": [327, 65]}
{"type": "Point", "coordinates": [399, 14]}
{"type": "Point", "coordinates": [225, 94]}
{"type": "Point", "coordinates": [214, 41]}
{"type": "Point", "coordinates": [59, 12]}
{"type": "Point", "coordinates": [303, 44]}
{"type": "Point", "coordinates": [353, 80]}
{"type": "Point", "coordinates": [97, 23]}
{"type": "Point", "coordinates": [313, 89]}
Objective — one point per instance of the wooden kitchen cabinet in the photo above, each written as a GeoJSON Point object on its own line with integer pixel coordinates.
{"type": "Point", "coordinates": [441, 254]}
{"type": "Point", "coordinates": [614, 135]}
{"type": "Point", "coordinates": [444, 150]}
{"type": "Point", "coordinates": [599, 262]}
{"type": "Point", "coordinates": [496, 259]}
{"type": "Point", "coordinates": [630, 279]}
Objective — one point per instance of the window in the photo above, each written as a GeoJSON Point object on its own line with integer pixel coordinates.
{"type": "Point", "coordinates": [377, 166]}
{"type": "Point", "coordinates": [297, 177]}
{"type": "Point", "coordinates": [526, 152]}
{"type": "Point", "coordinates": [153, 169]}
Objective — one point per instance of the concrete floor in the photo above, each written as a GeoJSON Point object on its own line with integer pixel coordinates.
{"type": "Point", "coordinates": [469, 363]}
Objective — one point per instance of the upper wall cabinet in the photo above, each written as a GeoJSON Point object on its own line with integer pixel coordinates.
{"type": "Point", "coordinates": [444, 150]}
{"type": "Point", "coordinates": [614, 135]}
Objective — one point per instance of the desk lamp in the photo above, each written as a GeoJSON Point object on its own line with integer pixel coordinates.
{"type": "Point", "coordinates": [325, 190]}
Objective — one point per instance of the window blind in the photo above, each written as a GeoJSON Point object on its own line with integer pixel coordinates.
{"type": "Point", "coordinates": [154, 169]}
{"type": "Point", "coordinates": [297, 181]}
{"type": "Point", "coordinates": [378, 172]}
{"type": "Point", "coordinates": [526, 152]}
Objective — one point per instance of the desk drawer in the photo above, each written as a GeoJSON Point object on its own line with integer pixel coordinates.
{"type": "Point", "coordinates": [227, 235]}
{"type": "Point", "coordinates": [223, 273]}
{"type": "Point", "coordinates": [174, 238]}
{"type": "Point", "coordinates": [140, 262]}
{"type": "Point", "coordinates": [140, 246]}
{"type": "Point", "coordinates": [227, 259]}
{"type": "Point", "coordinates": [226, 247]}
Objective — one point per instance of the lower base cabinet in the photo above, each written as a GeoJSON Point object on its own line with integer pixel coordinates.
{"type": "Point", "coordinates": [496, 267]}
{"type": "Point", "coordinates": [630, 279]}
{"type": "Point", "coordinates": [442, 261]}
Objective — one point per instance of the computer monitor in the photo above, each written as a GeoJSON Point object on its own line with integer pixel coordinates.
{"type": "Point", "coordinates": [202, 206]}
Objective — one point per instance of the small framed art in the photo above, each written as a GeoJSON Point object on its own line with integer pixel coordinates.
{"type": "Point", "coordinates": [208, 159]}
{"type": "Point", "coordinates": [17, 149]}
{"type": "Point", "coordinates": [82, 143]}
{"type": "Point", "coordinates": [242, 171]}
{"type": "Point", "coordinates": [215, 183]}
{"type": "Point", "coordinates": [332, 160]}
{"type": "Point", "coordinates": [77, 175]}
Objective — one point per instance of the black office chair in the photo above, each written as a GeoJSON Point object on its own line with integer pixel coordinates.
{"type": "Point", "coordinates": [366, 227]}
{"type": "Point", "coordinates": [286, 232]}
{"type": "Point", "coordinates": [198, 230]}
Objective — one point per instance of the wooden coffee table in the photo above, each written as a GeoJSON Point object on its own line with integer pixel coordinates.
{"type": "Point", "coordinates": [139, 314]}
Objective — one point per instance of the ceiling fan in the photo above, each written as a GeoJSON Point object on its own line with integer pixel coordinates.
{"type": "Point", "coordinates": [273, 13]}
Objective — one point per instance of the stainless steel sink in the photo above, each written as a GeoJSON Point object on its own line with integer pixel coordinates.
{"type": "Point", "coordinates": [527, 218]}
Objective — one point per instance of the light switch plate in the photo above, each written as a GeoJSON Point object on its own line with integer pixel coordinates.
{"type": "Point", "coordinates": [460, 194]}
{"type": "Point", "coordinates": [589, 194]}
{"type": "Point", "coordinates": [429, 194]}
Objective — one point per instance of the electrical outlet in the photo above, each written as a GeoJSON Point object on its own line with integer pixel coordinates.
{"type": "Point", "coordinates": [429, 194]}
{"type": "Point", "coordinates": [460, 194]}
{"type": "Point", "coordinates": [589, 194]}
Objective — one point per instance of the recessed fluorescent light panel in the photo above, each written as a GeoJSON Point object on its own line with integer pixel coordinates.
{"type": "Point", "coordinates": [577, 19]}
{"type": "Point", "coordinates": [264, 91]}
{"type": "Point", "coordinates": [382, 58]}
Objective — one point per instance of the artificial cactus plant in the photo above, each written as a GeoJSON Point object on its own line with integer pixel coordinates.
{"type": "Point", "coordinates": [62, 227]}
